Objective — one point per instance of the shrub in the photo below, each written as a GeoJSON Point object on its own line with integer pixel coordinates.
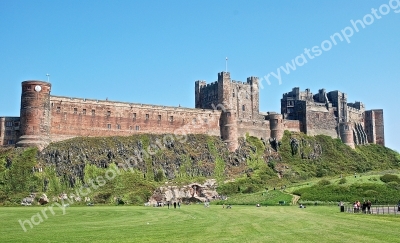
{"type": "Point", "coordinates": [321, 172]}
{"type": "Point", "coordinates": [342, 181]}
{"type": "Point", "coordinates": [3, 196]}
{"type": "Point", "coordinates": [101, 197]}
{"type": "Point", "coordinates": [388, 178]}
{"type": "Point", "coordinates": [228, 188]}
{"type": "Point", "coordinates": [324, 182]}
{"type": "Point", "coordinates": [393, 185]}
{"type": "Point", "coordinates": [159, 176]}
{"type": "Point", "coordinates": [249, 189]}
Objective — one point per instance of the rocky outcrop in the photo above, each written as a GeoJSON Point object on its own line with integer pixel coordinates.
{"type": "Point", "coordinates": [189, 193]}
{"type": "Point", "coordinates": [150, 154]}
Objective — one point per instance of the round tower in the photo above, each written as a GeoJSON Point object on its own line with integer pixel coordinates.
{"type": "Point", "coordinates": [35, 114]}
{"type": "Point", "coordinates": [346, 133]}
{"type": "Point", "coordinates": [276, 126]}
{"type": "Point", "coordinates": [229, 131]}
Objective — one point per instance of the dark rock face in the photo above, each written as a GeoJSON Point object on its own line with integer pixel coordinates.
{"type": "Point", "coordinates": [146, 153]}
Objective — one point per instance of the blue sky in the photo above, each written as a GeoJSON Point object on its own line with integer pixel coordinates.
{"type": "Point", "coordinates": [153, 51]}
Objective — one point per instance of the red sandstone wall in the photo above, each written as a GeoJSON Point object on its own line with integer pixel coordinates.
{"type": "Point", "coordinates": [71, 117]}
{"type": "Point", "coordinates": [35, 114]}
{"type": "Point", "coordinates": [321, 121]}
{"type": "Point", "coordinates": [259, 129]}
{"type": "Point", "coordinates": [378, 126]}
{"type": "Point", "coordinates": [9, 130]}
{"type": "Point", "coordinates": [292, 125]}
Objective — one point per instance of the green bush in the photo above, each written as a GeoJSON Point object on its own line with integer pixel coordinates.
{"type": "Point", "coordinates": [324, 182]}
{"type": "Point", "coordinates": [389, 178]}
{"type": "Point", "coordinates": [229, 188]}
{"type": "Point", "coordinates": [393, 185]}
{"type": "Point", "coordinates": [375, 192]}
{"type": "Point", "coordinates": [342, 181]}
{"type": "Point", "coordinates": [101, 197]}
{"type": "Point", "coordinates": [249, 189]}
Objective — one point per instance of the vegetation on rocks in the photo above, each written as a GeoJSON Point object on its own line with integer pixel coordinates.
{"type": "Point", "coordinates": [130, 168]}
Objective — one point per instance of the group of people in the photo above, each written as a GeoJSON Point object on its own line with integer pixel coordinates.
{"type": "Point", "coordinates": [365, 206]}
{"type": "Point", "coordinates": [174, 204]}
{"type": "Point", "coordinates": [227, 206]}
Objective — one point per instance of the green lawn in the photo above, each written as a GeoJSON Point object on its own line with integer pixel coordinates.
{"type": "Point", "coordinates": [195, 223]}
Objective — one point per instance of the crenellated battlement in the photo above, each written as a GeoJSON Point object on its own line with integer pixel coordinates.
{"type": "Point", "coordinates": [329, 113]}
{"type": "Point", "coordinates": [226, 108]}
{"type": "Point", "coordinates": [95, 102]}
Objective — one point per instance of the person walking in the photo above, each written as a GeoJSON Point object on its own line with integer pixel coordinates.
{"type": "Point", "coordinates": [369, 206]}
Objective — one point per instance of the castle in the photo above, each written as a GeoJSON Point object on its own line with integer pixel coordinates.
{"type": "Point", "coordinates": [225, 108]}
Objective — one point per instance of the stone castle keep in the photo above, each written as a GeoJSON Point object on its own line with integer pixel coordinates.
{"type": "Point", "coordinates": [225, 108]}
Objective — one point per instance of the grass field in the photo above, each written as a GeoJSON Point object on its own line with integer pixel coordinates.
{"type": "Point", "coordinates": [195, 223]}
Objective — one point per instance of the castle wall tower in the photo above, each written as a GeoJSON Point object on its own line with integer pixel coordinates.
{"type": "Point", "coordinates": [346, 133]}
{"type": "Point", "coordinates": [255, 98]}
{"type": "Point", "coordinates": [224, 90]}
{"type": "Point", "coordinates": [35, 114]}
{"type": "Point", "coordinates": [339, 100]}
{"type": "Point", "coordinates": [276, 126]}
{"type": "Point", "coordinates": [198, 85]}
{"type": "Point", "coordinates": [229, 130]}
{"type": "Point", "coordinates": [374, 126]}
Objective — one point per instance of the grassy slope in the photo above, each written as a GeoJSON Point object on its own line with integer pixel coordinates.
{"type": "Point", "coordinates": [198, 224]}
{"type": "Point", "coordinates": [360, 187]}
{"type": "Point", "coordinates": [336, 158]}
{"type": "Point", "coordinates": [255, 166]}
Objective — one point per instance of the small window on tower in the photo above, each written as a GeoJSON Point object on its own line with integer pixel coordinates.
{"type": "Point", "coordinates": [159, 117]}
{"type": "Point", "coordinates": [147, 116]}
{"type": "Point", "coordinates": [93, 112]}
{"type": "Point", "coordinates": [75, 110]}
{"type": "Point", "coordinates": [84, 111]}
{"type": "Point", "coordinates": [243, 107]}
{"type": "Point", "coordinates": [58, 109]}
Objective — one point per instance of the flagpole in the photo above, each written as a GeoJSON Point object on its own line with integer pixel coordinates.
{"type": "Point", "coordinates": [226, 64]}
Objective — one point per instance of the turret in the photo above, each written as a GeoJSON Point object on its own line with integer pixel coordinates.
{"type": "Point", "coordinates": [224, 90]}
{"type": "Point", "coordinates": [229, 131]}
{"type": "Point", "coordinates": [346, 133]}
{"type": "Point", "coordinates": [276, 126]}
{"type": "Point", "coordinates": [35, 114]}
{"type": "Point", "coordinates": [255, 102]}
{"type": "Point", "coordinates": [198, 85]}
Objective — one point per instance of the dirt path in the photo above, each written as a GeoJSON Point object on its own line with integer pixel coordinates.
{"type": "Point", "coordinates": [295, 199]}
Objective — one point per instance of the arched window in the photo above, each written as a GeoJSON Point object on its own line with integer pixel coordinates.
{"type": "Point", "coordinates": [243, 107]}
